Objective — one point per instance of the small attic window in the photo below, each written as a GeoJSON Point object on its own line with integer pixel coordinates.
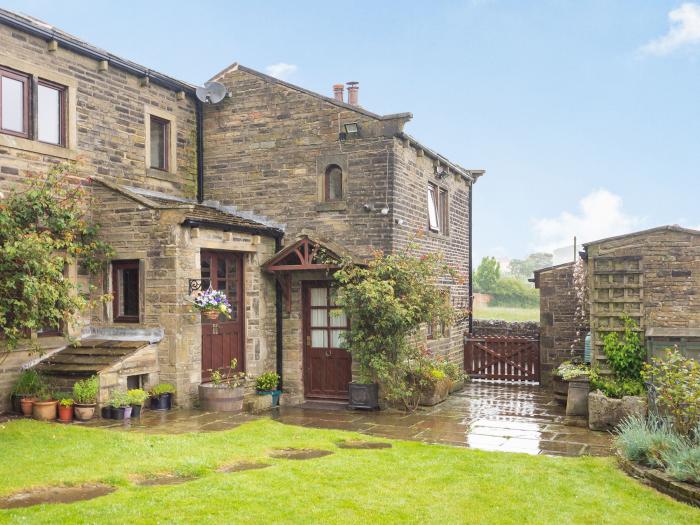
{"type": "Point", "coordinates": [333, 183]}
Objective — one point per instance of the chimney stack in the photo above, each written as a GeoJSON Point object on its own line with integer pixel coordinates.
{"type": "Point", "coordinates": [353, 88]}
{"type": "Point", "coordinates": [338, 92]}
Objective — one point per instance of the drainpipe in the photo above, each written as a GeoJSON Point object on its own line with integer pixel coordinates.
{"type": "Point", "coordinates": [278, 319]}
{"type": "Point", "coordinates": [199, 110]}
{"type": "Point", "coordinates": [471, 273]}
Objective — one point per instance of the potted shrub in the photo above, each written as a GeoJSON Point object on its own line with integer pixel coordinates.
{"type": "Point", "coordinates": [225, 392]}
{"type": "Point", "coordinates": [44, 408]}
{"type": "Point", "coordinates": [388, 301]}
{"type": "Point", "coordinates": [620, 394]}
{"type": "Point", "coordinates": [65, 410]}
{"type": "Point", "coordinates": [266, 385]}
{"type": "Point", "coordinates": [212, 304]}
{"type": "Point", "coordinates": [119, 401]}
{"type": "Point", "coordinates": [25, 391]}
{"type": "Point", "coordinates": [162, 396]}
{"type": "Point", "coordinates": [137, 397]}
{"type": "Point", "coordinates": [85, 397]}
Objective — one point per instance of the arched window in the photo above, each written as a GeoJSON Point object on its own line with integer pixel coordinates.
{"type": "Point", "coordinates": [333, 183]}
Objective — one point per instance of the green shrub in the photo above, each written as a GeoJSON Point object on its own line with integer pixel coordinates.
{"type": "Point", "coordinates": [646, 441]}
{"type": "Point", "coordinates": [677, 382]}
{"type": "Point", "coordinates": [267, 381]}
{"type": "Point", "coordinates": [136, 396]}
{"type": "Point", "coordinates": [85, 391]}
{"type": "Point", "coordinates": [683, 463]}
{"type": "Point", "coordinates": [509, 291]}
{"type": "Point", "coordinates": [626, 356]}
{"type": "Point", "coordinates": [66, 402]}
{"type": "Point", "coordinates": [28, 384]}
{"type": "Point", "coordinates": [162, 388]}
{"type": "Point", "coordinates": [614, 387]}
{"type": "Point", "coordinates": [569, 370]}
{"type": "Point", "coordinates": [119, 399]}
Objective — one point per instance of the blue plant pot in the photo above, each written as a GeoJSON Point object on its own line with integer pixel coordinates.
{"type": "Point", "coordinates": [274, 393]}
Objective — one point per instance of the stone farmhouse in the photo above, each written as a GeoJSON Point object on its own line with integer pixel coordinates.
{"type": "Point", "coordinates": [259, 195]}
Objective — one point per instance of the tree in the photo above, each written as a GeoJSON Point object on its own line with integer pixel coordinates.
{"type": "Point", "coordinates": [524, 268]}
{"type": "Point", "coordinates": [42, 229]}
{"type": "Point", "coordinates": [487, 275]}
{"type": "Point", "coordinates": [387, 302]}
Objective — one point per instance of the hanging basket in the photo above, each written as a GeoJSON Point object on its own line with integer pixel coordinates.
{"type": "Point", "coordinates": [212, 315]}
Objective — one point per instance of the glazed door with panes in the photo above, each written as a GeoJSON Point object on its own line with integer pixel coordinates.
{"type": "Point", "coordinates": [223, 339]}
{"type": "Point", "coordinates": [327, 367]}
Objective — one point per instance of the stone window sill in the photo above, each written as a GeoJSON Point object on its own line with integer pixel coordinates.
{"type": "Point", "coordinates": [160, 174]}
{"type": "Point", "coordinates": [41, 148]}
{"type": "Point", "coordinates": [332, 206]}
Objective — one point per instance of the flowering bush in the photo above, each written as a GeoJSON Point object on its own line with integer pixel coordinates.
{"type": "Point", "coordinates": [569, 370]}
{"type": "Point", "coordinates": [213, 301]}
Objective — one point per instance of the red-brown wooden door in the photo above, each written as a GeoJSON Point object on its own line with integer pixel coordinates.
{"type": "Point", "coordinates": [223, 339]}
{"type": "Point", "coordinates": [327, 367]}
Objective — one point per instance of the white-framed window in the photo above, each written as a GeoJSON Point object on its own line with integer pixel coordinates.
{"type": "Point", "coordinates": [433, 217]}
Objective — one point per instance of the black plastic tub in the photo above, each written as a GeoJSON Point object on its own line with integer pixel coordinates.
{"type": "Point", "coordinates": [162, 402]}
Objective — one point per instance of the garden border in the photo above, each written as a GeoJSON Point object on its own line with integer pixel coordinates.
{"type": "Point", "coordinates": [678, 490]}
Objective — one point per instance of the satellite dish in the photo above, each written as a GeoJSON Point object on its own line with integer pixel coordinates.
{"type": "Point", "coordinates": [211, 92]}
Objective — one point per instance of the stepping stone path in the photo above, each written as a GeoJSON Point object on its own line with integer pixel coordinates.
{"type": "Point", "coordinates": [54, 495]}
{"type": "Point", "coordinates": [299, 453]}
{"type": "Point", "coordinates": [365, 445]}
{"type": "Point", "coordinates": [239, 467]}
{"type": "Point", "coordinates": [165, 480]}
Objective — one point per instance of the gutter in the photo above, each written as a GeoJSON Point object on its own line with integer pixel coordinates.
{"type": "Point", "coordinates": [88, 51]}
{"type": "Point", "coordinates": [199, 110]}
{"type": "Point", "coordinates": [242, 228]}
{"type": "Point", "coordinates": [279, 322]}
{"type": "Point", "coordinates": [471, 265]}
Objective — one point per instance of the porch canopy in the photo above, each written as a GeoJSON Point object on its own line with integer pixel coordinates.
{"type": "Point", "coordinates": [306, 254]}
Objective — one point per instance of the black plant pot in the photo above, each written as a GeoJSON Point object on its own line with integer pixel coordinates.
{"type": "Point", "coordinates": [365, 396]}
{"type": "Point", "coordinates": [162, 402]}
{"type": "Point", "coordinates": [16, 403]}
{"type": "Point", "coordinates": [106, 412]}
{"type": "Point", "coordinates": [118, 412]}
{"type": "Point", "coordinates": [135, 410]}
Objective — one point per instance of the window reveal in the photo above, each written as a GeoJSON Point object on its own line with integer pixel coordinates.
{"type": "Point", "coordinates": [160, 138]}
{"type": "Point", "coordinates": [125, 289]}
{"type": "Point", "coordinates": [14, 103]}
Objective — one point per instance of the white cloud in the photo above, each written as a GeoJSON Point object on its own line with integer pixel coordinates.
{"type": "Point", "coordinates": [684, 30]}
{"type": "Point", "coordinates": [281, 70]}
{"type": "Point", "coordinates": [600, 215]}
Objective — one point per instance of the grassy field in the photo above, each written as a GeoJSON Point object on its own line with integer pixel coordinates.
{"type": "Point", "coordinates": [409, 483]}
{"type": "Point", "coordinates": [506, 313]}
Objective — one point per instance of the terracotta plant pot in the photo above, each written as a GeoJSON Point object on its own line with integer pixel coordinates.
{"type": "Point", "coordinates": [44, 410]}
{"type": "Point", "coordinates": [212, 315]}
{"type": "Point", "coordinates": [65, 414]}
{"type": "Point", "coordinates": [84, 412]}
{"type": "Point", "coordinates": [27, 405]}
{"type": "Point", "coordinates": [221, 398]}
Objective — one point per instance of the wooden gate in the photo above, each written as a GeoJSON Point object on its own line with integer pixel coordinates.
{"type": "Point", "coordinates": [508, 358]}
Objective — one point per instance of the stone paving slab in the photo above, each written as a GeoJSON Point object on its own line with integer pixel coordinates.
{"type": "Point", "coordinates": [507, 418]}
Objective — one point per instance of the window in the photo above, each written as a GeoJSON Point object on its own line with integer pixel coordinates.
{"type": "Point", "coordinates": [14, 103]}
{"type": "Point", "coordinates": [438, 218]}
{"type": "Point", "coordinates": [334, 183]}
{"type": "Point", "coordinates": [160, 139]}
{"type": "Point", "coordinates": [125, 291]}
{"type": "Point", "coordinates": [50, 113]}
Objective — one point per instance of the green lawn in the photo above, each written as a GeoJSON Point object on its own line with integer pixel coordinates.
{"type": "Point", "coordinates": [409, 483]}
{"type": "Point", "coordinates": [506, 313]}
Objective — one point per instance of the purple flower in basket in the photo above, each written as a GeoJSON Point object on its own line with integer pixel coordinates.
{"type": "Point", "coordinates": [213, 301]}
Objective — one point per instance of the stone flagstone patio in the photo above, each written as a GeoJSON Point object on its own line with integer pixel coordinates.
{"type": "Point", "coordinates": [508, 418]}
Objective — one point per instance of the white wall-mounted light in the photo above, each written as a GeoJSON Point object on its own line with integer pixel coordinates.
{"type": "Point", "coordinates": [351, 128]}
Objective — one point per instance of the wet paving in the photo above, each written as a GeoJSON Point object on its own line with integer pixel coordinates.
{"type": "Point", "coordinates": [503, 417]}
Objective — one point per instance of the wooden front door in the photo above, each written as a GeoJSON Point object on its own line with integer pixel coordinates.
{"type": "Point", "coordinates": [223, 339]}
{"type": "Point", "coordinates": [327, 367]}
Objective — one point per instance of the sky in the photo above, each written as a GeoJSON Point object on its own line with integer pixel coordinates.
{"type": "Point", "coordinates": [585, 114]}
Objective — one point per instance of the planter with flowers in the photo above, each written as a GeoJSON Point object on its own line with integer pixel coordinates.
{"type": "Point", "coordinates": [162, 396]}
{"type": "Point", "coordinates": [225, 391]}
{"type": "Point", "coordinates": [85, 396]}
{"type": "Point", "coordinates": [137, 397]}
{"type": "Point", "coordinates": [212, 304]}
{"type": "Point", "coordinates": [65, 410]}
{"type": "Point", "coordinates": [266, 385]}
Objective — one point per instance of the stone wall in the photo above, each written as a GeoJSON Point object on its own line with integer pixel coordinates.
{"type": "Point", "coordinates": [653, 276]}
{"type": "Point", "coordinates": [106, 120]}
{"type": "Point", "coordinates": [496, 327]}
{"type": "Point", "coordinates": [559, 340]}
{"type": "Point", "coordinates": [412, 172]}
